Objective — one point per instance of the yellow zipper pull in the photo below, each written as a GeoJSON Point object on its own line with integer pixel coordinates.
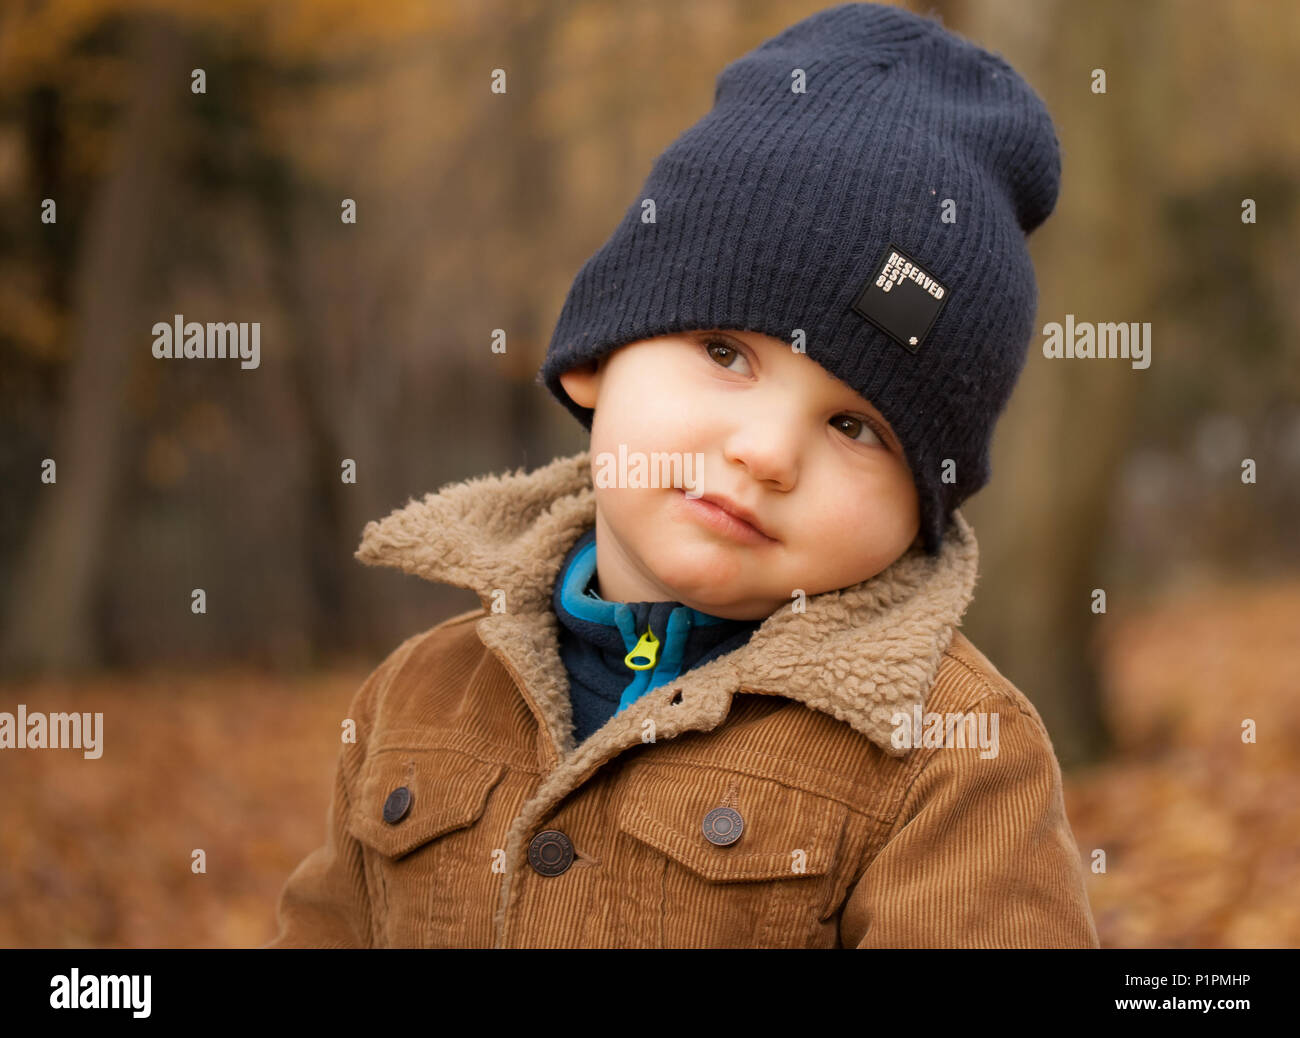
{"type": "Point", "coordinates": [646, 649]}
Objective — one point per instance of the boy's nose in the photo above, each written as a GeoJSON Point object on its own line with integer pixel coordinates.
{"type": "Point", "coordinates": [769, 454]}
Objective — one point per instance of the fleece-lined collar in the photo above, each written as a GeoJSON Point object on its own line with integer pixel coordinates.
{"type": "Point", "coordinates": [859, 654]}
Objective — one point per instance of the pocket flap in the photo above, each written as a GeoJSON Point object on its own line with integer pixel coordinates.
{"type": "Point", "coordinates": [787, 832]}
{"type": "Point", "coordinates": [445, 790]}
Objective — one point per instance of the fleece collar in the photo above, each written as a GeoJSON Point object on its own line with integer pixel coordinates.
{"type": "Point", "coordinates": [859, 654]}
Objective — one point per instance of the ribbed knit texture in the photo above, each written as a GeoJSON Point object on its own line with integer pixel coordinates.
{"type": "Point", "coordinates": [773, 211]}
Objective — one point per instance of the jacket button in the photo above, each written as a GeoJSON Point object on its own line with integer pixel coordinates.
{"type": "Point", "coordinates": [550, 852]}
{"type": "Point", "coordinates": [723, 826]}
{"type": "Point", "coordinates": [397, 804]}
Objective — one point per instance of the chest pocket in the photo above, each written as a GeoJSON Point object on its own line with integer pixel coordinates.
{"type": "Point", "coordinates": [415, 813]}
{"type": "Point", "coordinates": [769, 888]}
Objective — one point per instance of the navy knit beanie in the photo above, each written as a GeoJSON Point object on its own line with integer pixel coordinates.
{"type": "Point", "coordinates": [811, 204]}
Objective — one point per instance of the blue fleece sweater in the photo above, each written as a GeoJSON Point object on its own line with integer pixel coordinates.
{"type": "Point", "coordinates": [597, 638]}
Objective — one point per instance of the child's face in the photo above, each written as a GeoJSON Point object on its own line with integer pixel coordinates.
{"type": "Point", "coordinates": [774, 432]}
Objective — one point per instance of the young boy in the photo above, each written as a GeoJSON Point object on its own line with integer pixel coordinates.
{"type": "Point", "coordinates": [715, 695]}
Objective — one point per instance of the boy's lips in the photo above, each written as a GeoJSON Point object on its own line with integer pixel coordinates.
{"type": "Point", "coordinates": [739, 519]}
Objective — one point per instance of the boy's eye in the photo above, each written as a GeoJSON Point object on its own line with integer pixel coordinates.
{"type": "Point", "coordinates": [730, 353]}
{"type": "Point", "coordinates": [855, 426]}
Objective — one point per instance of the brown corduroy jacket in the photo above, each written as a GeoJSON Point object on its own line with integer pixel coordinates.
{"type": "Point", "coordinates": [464, 754]}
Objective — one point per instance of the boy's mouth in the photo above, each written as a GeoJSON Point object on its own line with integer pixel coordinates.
{"type": "Point", "coordinates": [725, 516]}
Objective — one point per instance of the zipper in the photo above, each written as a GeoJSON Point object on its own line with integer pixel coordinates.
{"type": "Point", "coordinates": [646, 649]}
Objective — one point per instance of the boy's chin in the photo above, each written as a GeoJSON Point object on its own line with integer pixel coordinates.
{"type": "Point", "coordinates": [706, 598]}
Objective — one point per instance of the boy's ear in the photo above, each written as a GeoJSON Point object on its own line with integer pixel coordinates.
{"type": "Point", "coordinates": [583, 383]}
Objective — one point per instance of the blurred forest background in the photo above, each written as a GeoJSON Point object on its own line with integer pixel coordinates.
{"type": "Point", "coordinates": [474, 212]}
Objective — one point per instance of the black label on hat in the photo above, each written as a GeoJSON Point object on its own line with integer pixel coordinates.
{"type": "Point", "coordinates": [902, 298]}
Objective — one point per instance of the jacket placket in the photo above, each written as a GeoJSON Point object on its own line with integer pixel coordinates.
{"type": "Point", "coordinates": [567, 768]}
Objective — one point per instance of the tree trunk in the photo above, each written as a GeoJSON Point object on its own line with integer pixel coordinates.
{"type": "Point", "coordinates": [51, 624]}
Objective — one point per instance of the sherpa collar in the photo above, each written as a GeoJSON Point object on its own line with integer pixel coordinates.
{"type": "Point", "coordinates": [859, 654]}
